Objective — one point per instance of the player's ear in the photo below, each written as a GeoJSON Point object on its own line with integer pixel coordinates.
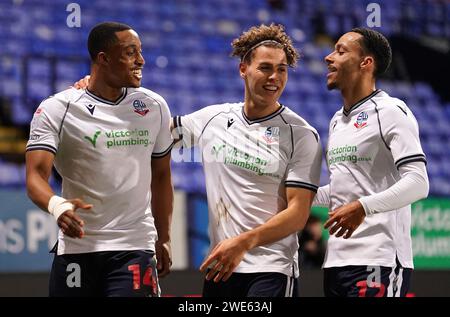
{"type": "Point", "coordinates": [242, 69]}
{"type": "Point", "coordinates": [367, 61]}
{"type": "Point", "coordinates": [102, 58]}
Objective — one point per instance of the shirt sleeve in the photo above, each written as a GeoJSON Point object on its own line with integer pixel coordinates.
{"type": "Point", "coordinates": [412, 186]}
{"type": "Point", "coordinates": [303, 170]}
{"type": "Point", "coordinates": [190, 128]}
{"type": "Point", "coordinates": [400, 133]}
{"type": "Point", "coordinates": [164, 140]}
{"type": "Point", "coordinates": [46, 125]}
{"type": "Point", "coordinates": [322, 198]}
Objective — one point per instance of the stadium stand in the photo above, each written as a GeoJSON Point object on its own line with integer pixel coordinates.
{"type": "Point", "coordinates": [187, 46]}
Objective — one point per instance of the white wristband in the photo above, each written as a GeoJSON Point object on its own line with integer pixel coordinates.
{"type": "Point", "coordinates": [58, 205]}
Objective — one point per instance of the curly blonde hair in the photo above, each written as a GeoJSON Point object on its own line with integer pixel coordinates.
{"type": "Point", "coordinates": [272, 36]}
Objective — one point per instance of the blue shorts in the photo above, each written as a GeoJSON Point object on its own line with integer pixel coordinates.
{"type": "Point", "coordinates": [107, 273]}
{"type": "Point", "coordinates": [366, 281]}
{"type": "Point", "coordinates": [252, 285]}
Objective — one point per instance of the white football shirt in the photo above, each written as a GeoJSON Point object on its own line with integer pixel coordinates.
{"type": "Point", "coordinates": [103, 152]}
{"type": "Point", "coordinates": [366, 146]}
{"type": "Point", "coordinates": [248, 164]}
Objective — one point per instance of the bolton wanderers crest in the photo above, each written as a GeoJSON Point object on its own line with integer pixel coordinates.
{"type": "Point", "coordinates": [361, 120]}
{"type": "Point", "coordinates": [140, 107]}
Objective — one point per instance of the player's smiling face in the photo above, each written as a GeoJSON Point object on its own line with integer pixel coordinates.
{"type": "Point", "coordinates": [126, 60]}
{"type": "Point", "coordinates": [344, 62]}
{"type": "Point", "coordinates": [266, 75]}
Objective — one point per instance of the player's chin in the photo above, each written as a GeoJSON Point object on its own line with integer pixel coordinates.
{"type": "Point", "coordinates": [275, 99]}
{"type": "Point", "coordinates": [331, 85]}
{"type": "Point", "coordinates": [271, 97]}
{"type": "Point", "coordinates": [134, 82]}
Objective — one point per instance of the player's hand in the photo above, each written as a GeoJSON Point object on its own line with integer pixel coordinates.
{"type": "Point", "coordinates": [69, 222]}
{"type": "Point", "coordinates": [345, 219]}
{"type": "Point", "coordinates": [163, 257]}
{"type": "Point", "coordinates": [224, 258]}
{"type": "Point", "coordinates": [82, 83]}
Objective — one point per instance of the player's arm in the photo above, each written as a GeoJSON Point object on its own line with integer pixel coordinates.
{"type": "Point", "coordinates": [288, 221]}
{"type": "Point", "coordinates": [227, 255]}
{"type": "Point", "coordinates": [412, 186]}
{"type": "Point", "coordinates": [162, 206]}
{"type": "Point", "coordinates": [38, 169]}
{"type": "Point", "coordinates": [176, 130]}
{"type": "Point", "coordinates": [322, 198]}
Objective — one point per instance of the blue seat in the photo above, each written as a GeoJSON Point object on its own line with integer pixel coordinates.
{"type": "Point", "coordinates": [436, 146]}
{"type": "Point", "coordinates": [39, 88]}
{"type": "Point", "coordinates": [71, 70]}
{"type": "Point", "coordinates": [445, 167]}
{"type": "Point", "coordinates": [423, 91]}
{"type": "Point", "coordinates": [11, 174]}
{"type": "Point", "coordinates": [11, 86]}
{"type": "Point", "coordinates": [21, 113]}
{"type": "Point", "coordinates": [427, 128]}
{"type": "Point", "coordinates": [321, 123]}
{"type": "Point", "coordinates": [14, 47]}
{"type": "Point", "coordinates": [440, 186]}
{"type": "Point", "coordinates": [39, 68]}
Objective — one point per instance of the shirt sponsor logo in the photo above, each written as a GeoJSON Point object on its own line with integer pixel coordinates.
{"type": "Point", "coordinates": [38, 111]}
{"type": "Point", "coordinates": [121, 138]}
{"type": "Point", "coordinates": [140, 107]}
{"type": "Point", "coordinates": [346, 153]}
{"type": "Point", "coordinates": [93, 140]}
{"type": "Point", "coordinates": [261, 163]}
{"type": "Point", "coordinates": [361, 121]}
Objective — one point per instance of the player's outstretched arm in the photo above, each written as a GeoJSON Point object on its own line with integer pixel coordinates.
{"type": "Point", "coordinates": [227, 255]}
{"type": "Point", "coordinates": [38, 169]}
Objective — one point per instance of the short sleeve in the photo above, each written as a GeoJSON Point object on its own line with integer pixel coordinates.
{"type": "Point", "coordinates": [400, 132]}
{"type": "Point", "coordinates": [190, 127]}
{"type": "Point", "coordinates": [164, 140]}
{"type": "Point", "coordinates": [303, 170]}
{"type": "Point", "coordinates": [46, 125]}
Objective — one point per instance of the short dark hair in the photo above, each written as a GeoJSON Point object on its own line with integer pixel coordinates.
{"type": "Point", "coordinates": [375, 44]}
{"type": "Point", "coordinates": [103, 36]}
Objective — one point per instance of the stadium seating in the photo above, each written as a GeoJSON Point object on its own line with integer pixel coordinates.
{"type": "Point", "coordinates": [186, 47]}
